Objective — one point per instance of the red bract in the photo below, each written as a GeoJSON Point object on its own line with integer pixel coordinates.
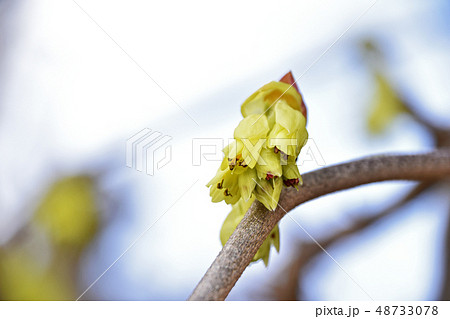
{"type": "Point", "coordinates": [289, 79]}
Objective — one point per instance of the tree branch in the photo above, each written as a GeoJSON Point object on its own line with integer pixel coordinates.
{"type": "Point", "coordinates": [285, 285]}
{"type": "Point", "coordinates": [258, 221]}
{"type": "Point", "coordinates": [445, 290]}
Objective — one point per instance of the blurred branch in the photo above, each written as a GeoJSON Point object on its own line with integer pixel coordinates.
{"type": "Point", "coordinates": [258, 221]}
{"type": "Point", "coordinates": [286, 284]}
{"type": "Point", "coordinates": [441, 134]}
{"type": "Point", "coordinates": [445, 292]}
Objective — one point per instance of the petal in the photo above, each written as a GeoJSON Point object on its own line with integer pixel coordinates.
{"type": "Point", "coordinates": [233, 149]}
{"type": "Point", "coordinates": [268, 192]}
{"type": "Point", "coordinates": [251, 150]}
{"type": "Point", "coordinates": [216, 194]}
{"type": "Point", "coordinates": [302, 139]}
{"type": "Point", "coordinates": [263, 252]}
{"type": "Point", "coordinates": [255, 104]}
{"type": "Point", "coordinates": [224, 186]}
{"type": "Point", "coordinates": [217, 178]}
{"type": "Point", "coordinates": [290, 171]}
{"type": "Point", "coordinates": [224, 164]}
{"type": "Point", "coordinates": [277, 187]}
{"type": "Point", "coordinates": [289, 118]}
{"type": "Point", "coordinates": [251, 127]}
{"type": "Point", "coordinates": [281, 139]}
{"type": "Point", "coordinates": [284, 92]}
{"type": "Point", "coordinates": [268, 163]}
{"type": "Point", "coordinates": [264, 98]}
{"type": "Point", "coordinates": [275, 238]}
{"type": "Point", "coordinates": [247, 183]}
{"type": "Point", "coordinates": [230, 183]}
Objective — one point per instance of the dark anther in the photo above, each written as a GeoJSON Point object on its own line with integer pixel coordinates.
{"type": "Point", "coordinates": [291, 182]}
{"type": "Point", "coordinates": [231, 163]}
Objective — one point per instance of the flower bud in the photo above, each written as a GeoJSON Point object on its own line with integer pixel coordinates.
{"type": "Point", "coordinates": [263, 99]}
{"type": "Point", "coordinates": [289, 79]}
{"type": "Point", "coordinates": [262, 156]}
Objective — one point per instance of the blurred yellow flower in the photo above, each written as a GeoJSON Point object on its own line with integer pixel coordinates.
{"type": "Point", "coordinates": [69, 211]}
{"type": "Point", "coordinates": [386, 105]}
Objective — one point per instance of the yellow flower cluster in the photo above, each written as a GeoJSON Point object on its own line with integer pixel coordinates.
{"type": "Point", "coordinates": [262, 156]}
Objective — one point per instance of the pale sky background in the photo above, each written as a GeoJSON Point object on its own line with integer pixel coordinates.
{"type": "Point", "coordinates": [78, 79]}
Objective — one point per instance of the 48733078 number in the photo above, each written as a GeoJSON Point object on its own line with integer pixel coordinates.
{"type": "Point", "coordinates": [407, 310]}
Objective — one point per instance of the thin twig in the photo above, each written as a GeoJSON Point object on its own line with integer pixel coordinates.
{"type": "Point", "coordinates": [258, 221]}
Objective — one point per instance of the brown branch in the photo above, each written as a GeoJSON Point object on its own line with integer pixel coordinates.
{"type": "Point", "coordinates": [258, 221]}
{"type": "Point", "coordinates": [286, 283]}
{"type": "Point", "coordinates": [445, 290]}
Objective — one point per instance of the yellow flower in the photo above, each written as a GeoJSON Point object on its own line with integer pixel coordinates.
{"type": "Point", "coordinates": [262, 156]}
{"type": "Point", "coordinates": [224, 186]}
{"type": "Point", "coordinates": [230, 185]}
{"type": "Point", "coordinates": [291, 175]}
{"type": "Point", "coordinates": [386, 105]}
{"type": "Point", "coordinates": [266, 143]}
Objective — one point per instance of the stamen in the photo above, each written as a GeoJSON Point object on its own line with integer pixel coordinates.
{"type": "Point", "coordinates": [291, 182]}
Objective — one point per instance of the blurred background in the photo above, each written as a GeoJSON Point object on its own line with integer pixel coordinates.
{"type": "Point", "coordinates": [79, 78]}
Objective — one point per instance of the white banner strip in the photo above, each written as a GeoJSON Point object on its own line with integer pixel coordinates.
{"type": "Point", "coordinates": [226, 310]}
